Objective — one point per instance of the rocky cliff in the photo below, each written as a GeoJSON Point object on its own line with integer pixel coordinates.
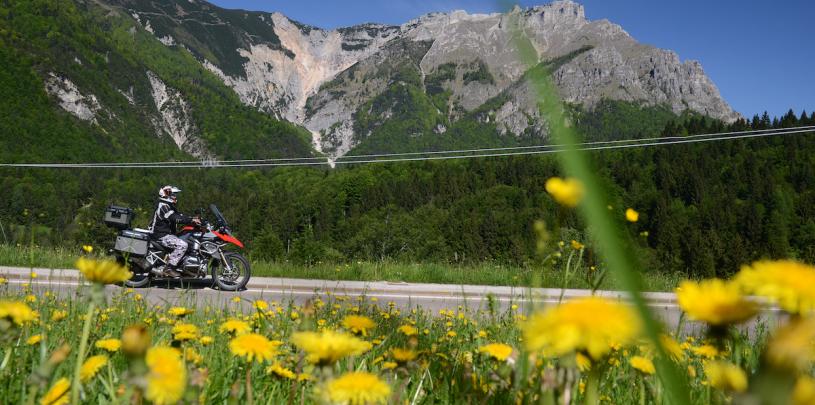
{"type": "Point", "coordinates": [463, 63]}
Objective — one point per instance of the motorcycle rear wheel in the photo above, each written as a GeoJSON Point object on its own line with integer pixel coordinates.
{"type": "Point", "coordinates": [139, 280]}
{"type": "Point", "coordinates": [235, 279]}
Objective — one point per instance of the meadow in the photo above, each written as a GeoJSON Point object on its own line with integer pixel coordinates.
{"type": "Point", "coordinates": [342, 350]}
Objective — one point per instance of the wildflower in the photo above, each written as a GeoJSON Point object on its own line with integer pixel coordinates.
{"type": "Point", "coordinates": [631, 215]}
{"type": "Point", "coordinates": [643, 364]}
{"type": "Point", "coordinates": [17, 312]}
{"type": "Point", "coordinates": [790, 284]}
{"type": "Point", "coordinates": [135, 340]}
{"type": "Point", "coordinates": [180, 312]}
{"type": "Point", "coordinates": [804, 391]}
{"type": "Point", "coordinates": [280, 371]}
{"type": "Point", "coordinates": [87, 248]}
{"type": "Point", "coordinates": [671, 347]}
{"type": "Point", "coordinates": [111, 345]}
{"type": "Point", "coordinates": [192, 356]}
{"type": "Point", "coordinates": [403, 355]}
{"type": "Point", "coordinates": [254, 347]}
{"type": "Point", "coordinates": [583, 362]}
{"type": "Point", "coordinates": [451, 334]}
{"type": "Point", "coordinates": [234, 327]}
{"type": "Point", "coordinates": [408, 330]}
{"type": "Point", "coordinates": [91, 366]}
{"type": "Point", "coordinates": [328, 346]}
{"type": "Point", "coordinates": [358, 388]}
{"type": "Point", "coordinates": [58, 394]}
{"type": "Point", "coordinates": [236, 300]}
{"type": "Point", "coordinates": [592, 324]}
{"type": "Point", "coordinates": [103, 271]}
{"type": "Point", "coordinates": [185, 331]}
{"type": "Point", "coordinates": [31, 298]}
{"type": "Point", "coordinates": [498, 351]}
{"type": "Point", "coordinates": [167, 375]}
{"type": "Point", "coordinates": [358, 324]}
{"type": "Point", "coordinates": [389, 365]}
{"type": "Point", "coordinates": [566, 192]}
{"type": "Point", "coordinates": [58, 315]}
{"type": "Point", "coordinates": [726, 376]}
{"type": "Point", "coordinates": [715, 302]}
{"type": "Point", "coordinates": [206, 340]}
{"type": "Point", "coordinates": [577, 245]}
{"type": "Point", "coordinates": [705, 351]}
{"type": "Point", "coordinates": [482, 334]}
{"type": "Point", "coordinates": [3, 281]}
{"type": "Point", "coordinates": [792, 347]}
{"type": "Point", "coordinates": [33, 340]}
{"type": "Point", "coordinates": [260, 305]}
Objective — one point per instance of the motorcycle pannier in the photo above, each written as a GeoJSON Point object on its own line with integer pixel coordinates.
{"type": "Point", "coordinates": [118, 217]}
{"type": "Point", "coordinates": [132, 242]}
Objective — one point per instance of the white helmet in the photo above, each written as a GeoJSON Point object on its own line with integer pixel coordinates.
{"type": "Point", "coordinates": [168, 193]}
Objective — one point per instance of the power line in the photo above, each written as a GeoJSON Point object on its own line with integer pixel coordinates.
{"type": "Point", "coordinates": [456, 154]}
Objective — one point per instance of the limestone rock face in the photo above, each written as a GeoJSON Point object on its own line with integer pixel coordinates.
{"type": "Point", "coordinates": [321, 78]}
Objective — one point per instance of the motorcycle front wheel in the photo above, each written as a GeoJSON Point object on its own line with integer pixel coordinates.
{"type": "Point", "coordinates": [234, 276]}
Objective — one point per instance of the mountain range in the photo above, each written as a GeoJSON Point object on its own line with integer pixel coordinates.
{"type": "Point", "coordinates": [175, 78]}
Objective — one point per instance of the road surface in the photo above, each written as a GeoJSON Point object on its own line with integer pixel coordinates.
{"type": "Point", "coordinates": [432, 297]}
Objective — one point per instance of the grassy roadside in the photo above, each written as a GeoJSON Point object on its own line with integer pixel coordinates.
{"type": "Point", "coordinates": [477, 274]}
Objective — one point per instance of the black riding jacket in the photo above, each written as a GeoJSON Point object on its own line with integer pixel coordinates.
{"type": "Point", "coordinates": [166, 219]}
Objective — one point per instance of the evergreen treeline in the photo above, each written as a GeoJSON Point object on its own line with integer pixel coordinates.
{"type": "Point", "coordinates": [705, 208]}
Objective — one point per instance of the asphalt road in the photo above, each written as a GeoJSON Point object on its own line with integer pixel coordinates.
{"type": "Point", "coordinates": [433, 297]}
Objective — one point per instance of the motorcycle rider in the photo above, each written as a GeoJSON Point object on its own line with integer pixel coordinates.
{"type": "Point", "coordinates": [163, 227]}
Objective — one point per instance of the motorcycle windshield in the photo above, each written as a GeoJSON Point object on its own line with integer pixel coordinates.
{"type": "Point", "coordinates": [218, 216]}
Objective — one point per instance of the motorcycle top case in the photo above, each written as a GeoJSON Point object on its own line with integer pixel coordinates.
{"type": "Point", "coordinates": [132, 242]}
{"type": "Point", "coordinates": [118, 217]}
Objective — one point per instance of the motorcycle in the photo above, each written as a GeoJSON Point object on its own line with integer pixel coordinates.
{"type": "Point", "coordinates": [206, 252]}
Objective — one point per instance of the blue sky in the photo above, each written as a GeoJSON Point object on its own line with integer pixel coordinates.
{"type": "Point", "coordinates": [761, 55]}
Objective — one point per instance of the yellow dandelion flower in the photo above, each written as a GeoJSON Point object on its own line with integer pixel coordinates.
{"type": "Point", "coordinates": [790, 284]}
{"type": "Point", "coordinates": [643, 364]}
{"type": "Point", "coordinates": [577, 245]}
{"type": "Point", "coordinates": [236, 300]}
{"type": "Point", "coordinates": [206, 340]}
{"type": "Point", "coordinates": [327, 346]}
{"type": "Point", "coordinates": [260, 305]}
{"type": "Point", "coordinates": [726, 376]}
{"type": "Point", "coordinates": [192, 356]}
{"type": "Point", "coordinates": [358, 324]}
{"type": "Point", "coordinates": [91, 367]}
{"type": "Point", "coordinates": [185, 331]}
{"type": "Point", "coordinates": [103, 271]}
{"type": "Point", "coordinates": [403, 355]}
{"type": "Point", "coordinates": [583, 362]}
{"type": "Point", "coordinates": [167, 375]}
{"type": "Point", "coordinates": [707, 351]}
{"type": "Point", "coordinates": [33, 340]}
{"type": "Point", "coordinates": [3, 281]}
{"type": "Point", "coordinates": [235, 327]}
{"type": "Point", "coordinates": [87, 248]}
{"type": "Point", "coordinates": [58, 394]}
{"type": "Point", "coordinates": [135, 340]}
{"type": "Point", "coordinates": [791, 346]}
{"type": "Point", "coordinates": [111, 345]}
{"type": "Point", "coordinates": [280, 371]}
{"type": "Point", "coordinates": [591, 324]}
{"type": "Point", "coordinates": [58, 315]}
{"type": "Point", "coordinates": [498, 351]}
{"type": "Point", "coordinates": [358, 388]}
{"type": "Point", "coordinates": [389, 365]}
{"type": "Point", "coordinates": [715, 302]}
{"type": "Point", "coordinates": [180, 312]}
{"type": "Point", "coordinates": [631, 215]}
{"type": "Point", "coordinates": [568, 192]}
{"type": "Point", "coordinates": [671, 347]}
{"type": "Point", "coordinates": [482, 333]}
{"type": "Point", "coordinates": [254, 347]}
{"type": "Point", "coordinates": [804, 391]}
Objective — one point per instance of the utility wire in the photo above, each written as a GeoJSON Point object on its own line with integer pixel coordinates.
{"type": "Point", "coordinates": [455, 154]}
